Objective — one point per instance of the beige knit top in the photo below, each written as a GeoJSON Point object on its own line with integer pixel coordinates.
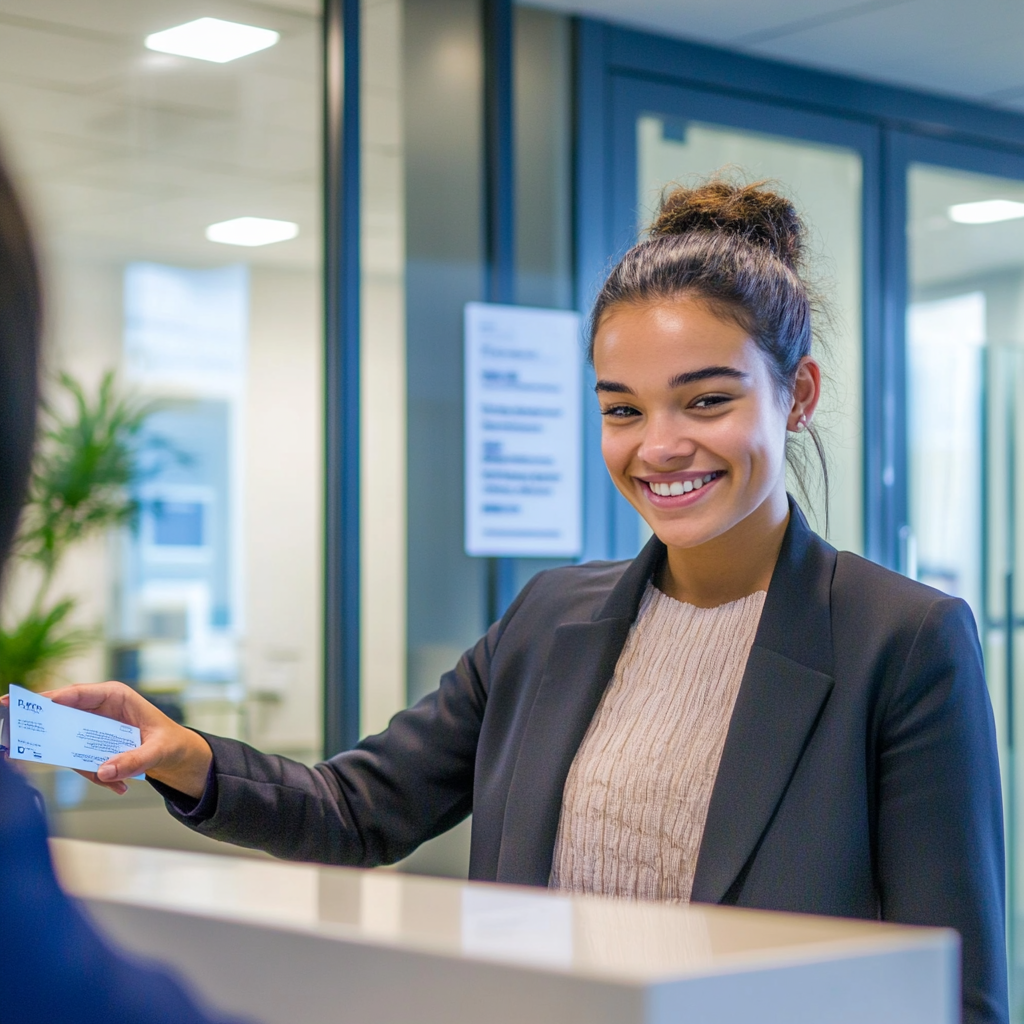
{"type": "Point", "coordinates": [637, 794]}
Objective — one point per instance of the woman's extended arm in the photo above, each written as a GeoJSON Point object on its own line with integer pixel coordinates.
{"type": "Point", "coordinates": [940, 817]}
{"type": "Point", "coordinates": [371, 805]}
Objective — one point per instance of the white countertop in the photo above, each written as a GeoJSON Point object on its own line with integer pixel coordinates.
{"type": "Point", "coordinates": [639, 947]}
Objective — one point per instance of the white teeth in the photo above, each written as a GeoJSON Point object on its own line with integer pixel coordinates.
{"type": "Point", "coordinates": [678, 487]}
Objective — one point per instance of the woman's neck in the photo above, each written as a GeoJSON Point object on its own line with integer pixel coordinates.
{"type": "Point", "coordinates": [733, 565]}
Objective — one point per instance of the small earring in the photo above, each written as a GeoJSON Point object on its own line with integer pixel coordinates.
{"type": "Point", "coordinates": [800, 424]}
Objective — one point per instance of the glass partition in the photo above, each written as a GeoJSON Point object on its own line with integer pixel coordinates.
{"type": "Point", "coordinates": [965, 382]}
{"type": "Point", "coordinates": [176, 194]}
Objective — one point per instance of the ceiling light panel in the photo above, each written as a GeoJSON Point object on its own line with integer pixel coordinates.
{"type": "Point", "coordinates": [212, 39]}
{"type": "Point", "coordinates": [988, 211]}
{"type": "Point", "coordinates": [252, 231]}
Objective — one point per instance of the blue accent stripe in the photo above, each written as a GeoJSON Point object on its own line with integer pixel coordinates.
{"type": "Point", "coordinates": [341, 303]}
{"type": "Point", "coordinates": [500, 219]}
{"type": "Point", "coordinates": [711, 67]}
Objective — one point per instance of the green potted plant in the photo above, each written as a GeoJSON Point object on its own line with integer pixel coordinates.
{"type": "Point", "coordinates": [86, 460]}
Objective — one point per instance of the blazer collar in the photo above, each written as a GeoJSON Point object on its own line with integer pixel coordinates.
{"type": "Point", "coordinates": [789, 667]}
{"type": "Point", "coordinates": [580, 665]}
{"type": "Point", "coordinates": [788, 679]}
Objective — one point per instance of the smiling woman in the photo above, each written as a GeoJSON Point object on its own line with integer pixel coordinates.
{"type": "Point", "coordinates": [701, 340]}
{"type": "Point", "coordinates": [700, 452]}
{"type": "Point", "coordinates": [741, 714]}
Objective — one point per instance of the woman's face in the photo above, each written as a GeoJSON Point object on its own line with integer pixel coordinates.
{"type": "Point", "coordinates": [694, 431]}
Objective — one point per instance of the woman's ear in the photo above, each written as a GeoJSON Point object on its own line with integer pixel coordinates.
{"type": "Point", "coordinates": [806, 392]}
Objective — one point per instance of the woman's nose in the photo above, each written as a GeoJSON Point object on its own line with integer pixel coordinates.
{"type": "Point", "coordinates": [665, 442]}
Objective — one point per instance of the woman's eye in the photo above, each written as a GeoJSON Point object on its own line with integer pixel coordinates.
{"type": "Point", "coordinates": [709, 401]}
{"type": "Point", "coordinates": [620, 412]}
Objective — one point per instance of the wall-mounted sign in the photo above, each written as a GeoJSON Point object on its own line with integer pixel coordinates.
{"type": "Point", "coordinates": [523, 431]}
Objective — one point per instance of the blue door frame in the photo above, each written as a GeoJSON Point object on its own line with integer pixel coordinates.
{"type": "Point", "coordinates": [620, 73]}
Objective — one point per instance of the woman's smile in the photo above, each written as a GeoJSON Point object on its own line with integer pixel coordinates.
{"type": "Point", "coordinates": [678, 490]}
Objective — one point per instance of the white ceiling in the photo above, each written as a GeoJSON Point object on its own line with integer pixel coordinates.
{"type": "Point", "coordinates": [129, 154]}
{"type": "Point", "coordinates": [974, 50]}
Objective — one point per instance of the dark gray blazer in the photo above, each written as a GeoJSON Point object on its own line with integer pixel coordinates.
{"type": "Point", "coordinates": [859, 776]}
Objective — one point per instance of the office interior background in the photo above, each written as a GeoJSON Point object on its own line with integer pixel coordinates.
{"type": "Point", "coordinates": [296, 571]}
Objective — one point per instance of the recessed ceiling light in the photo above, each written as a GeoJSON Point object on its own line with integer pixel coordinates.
{"type": "Point", "coordinates": [212, 39]}
{"type": "Point", "coordinates": [988, 211]}
{"type": "Point", "coordinates": [252, 231]}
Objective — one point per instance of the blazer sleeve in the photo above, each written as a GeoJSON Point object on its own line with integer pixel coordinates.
{"type": "Point", "coordinates": [370, 805]}
{"type": "Point", "coordinates": [940, 817]}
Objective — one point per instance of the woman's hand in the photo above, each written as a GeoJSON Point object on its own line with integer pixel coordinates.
{"type": "Point", "coordinates": [169, 753]}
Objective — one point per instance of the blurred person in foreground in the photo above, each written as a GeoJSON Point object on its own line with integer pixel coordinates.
{"type": "Point", "coordinates": [56, 969]}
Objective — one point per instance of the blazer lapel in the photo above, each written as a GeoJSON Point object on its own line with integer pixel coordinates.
{"type": "Point", "coordinates": [786, 683]}
{"type": "Point", "coordinates": [581, 664]}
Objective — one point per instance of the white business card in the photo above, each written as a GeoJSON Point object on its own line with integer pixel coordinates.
{"type": "Point", "coordinates": [49, 733]}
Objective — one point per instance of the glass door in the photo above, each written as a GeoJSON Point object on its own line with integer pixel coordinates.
{"type": "Point", "coordinates": [667, 135]}
{"type": "Point", "coordinates": [965, 381]}
{"type": "Point", "coordinates": [177, 206]}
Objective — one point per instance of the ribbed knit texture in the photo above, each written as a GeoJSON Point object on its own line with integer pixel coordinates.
{"type": "Point", "coordinates": [636, 797]}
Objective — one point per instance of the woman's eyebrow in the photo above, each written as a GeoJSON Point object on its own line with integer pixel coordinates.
{"type": "Point", "coordinates": [706, 373]}
{"type": "Point", "coordinates": [614, 386]}
{"type": "Point", "coordinates": [679, 380]}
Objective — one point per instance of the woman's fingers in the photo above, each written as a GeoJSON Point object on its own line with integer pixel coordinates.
{"type": "Point", "coordinates": [120, 788]}
{"type": "Point", "coordinates": [112, 700]}
{"type": "Point", "coordinates": [129, 764]}
{"type": "Point", "coordinates": [119, 702]}
{"type": "Point", "coordinates": [168, 753]}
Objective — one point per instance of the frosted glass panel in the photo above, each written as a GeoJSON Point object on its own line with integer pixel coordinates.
{"type": "Point", "coordinates": [965, 382]}
{"type": "Point", "coordinates": [945, 339]}
{"type": "Point", "coordinates": [825, 184]}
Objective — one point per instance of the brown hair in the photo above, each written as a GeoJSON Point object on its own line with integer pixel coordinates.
{"type": "Point", "coordinates": [741, 249]}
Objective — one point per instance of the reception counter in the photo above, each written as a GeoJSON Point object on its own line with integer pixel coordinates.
{"type": "Point", "coordinates": [299, 944]}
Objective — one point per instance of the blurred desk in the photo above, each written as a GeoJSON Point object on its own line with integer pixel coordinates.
{"type": "Point", "coordinates": [300, 944]}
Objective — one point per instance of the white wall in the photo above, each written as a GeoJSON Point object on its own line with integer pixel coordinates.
{"type": "Point", "coordinates": [383, 392]}
{"type": "Point", "coordinates": [283, 501]}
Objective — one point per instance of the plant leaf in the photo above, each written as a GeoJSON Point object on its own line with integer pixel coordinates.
{"type": "Point", "coordinates": [40, 641]}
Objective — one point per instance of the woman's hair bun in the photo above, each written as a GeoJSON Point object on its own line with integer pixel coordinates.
{"type": "Point", "coordinates": [761, 217]}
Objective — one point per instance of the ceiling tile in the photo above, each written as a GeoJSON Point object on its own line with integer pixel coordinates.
{"type": "Point", "coordinates": [947, 46]}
